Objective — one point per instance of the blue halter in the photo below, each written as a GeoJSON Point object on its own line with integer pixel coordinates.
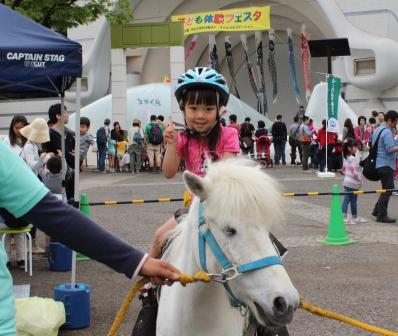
{"type": "Point", "coordinates": [229, 270]}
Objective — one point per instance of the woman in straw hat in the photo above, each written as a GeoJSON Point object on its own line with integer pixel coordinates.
{"type": "Point", "coordinates": [36, 133]}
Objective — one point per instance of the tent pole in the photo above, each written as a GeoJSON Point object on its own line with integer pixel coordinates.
{"type": "Point", "coordinates": [76, 195]}
{"type": "Point", "coordinates": [63, 144]}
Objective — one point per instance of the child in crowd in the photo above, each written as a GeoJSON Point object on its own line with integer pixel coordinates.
{"type": "Point", "coordinates": [352, 181]}
{"type": "Point", "coordinates": [86, 139]}
{"type": "Point", "coordinates": [111, 154]}
{"type": "Point", "coordinates": [121, 148]}
{"type": "Point", "coordinates": [51, 174]}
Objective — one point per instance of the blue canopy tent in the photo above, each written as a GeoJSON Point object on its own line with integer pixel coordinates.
{"type": "Point", "coordinates": [34, 58]}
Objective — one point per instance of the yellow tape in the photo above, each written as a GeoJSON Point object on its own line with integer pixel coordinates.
{"type": "Point", "coordinates": [110, 202]}
{"type": "Point", "coordinates": [358, 192]}
{"type": "Point", "coordinates": [313, 193]}
{"type": "Point", "coordinates": [380, 191]}
{"type": "Point", "coordinates": [137, 201]}
{"type": "Point", "coordinates": [164, 199]}
{"type": "Point", "coordinates": [288, 194]}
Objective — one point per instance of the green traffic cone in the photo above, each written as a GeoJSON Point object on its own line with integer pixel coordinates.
{"type": "Point", "coordinates": [336, 231]}
{"type": "Point", "coordinates": [85, 209]}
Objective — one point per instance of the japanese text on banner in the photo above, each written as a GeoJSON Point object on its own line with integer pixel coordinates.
{"type": "Point", "coordinates": [334, 84]}
{"type": "Point", "coordinates": [239, 19]}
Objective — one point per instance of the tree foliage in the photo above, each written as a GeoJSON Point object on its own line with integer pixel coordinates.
{"type": "Point", "coordinates": [63, 14]}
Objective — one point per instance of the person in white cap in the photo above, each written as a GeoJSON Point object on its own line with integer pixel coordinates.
{"type": "Point", "coordinates": [36, 133]}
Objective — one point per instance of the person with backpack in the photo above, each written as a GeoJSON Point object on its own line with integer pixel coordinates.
{"type": "Point", "coordinates": [294, 141]}
{"type": "Point", "coordinates": [102, 140]}
{"type": "Point", "coordinates": [154, 139]}
{"type": "Point", "coordinates": [387, 148]}
{"type": "Point", "coordinates": [135, 145]}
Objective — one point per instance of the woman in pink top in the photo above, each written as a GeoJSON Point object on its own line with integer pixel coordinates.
{"type": "Point", "coordinates": [362, 137]}
{"type": "Point", "coordinates": [201, 93]}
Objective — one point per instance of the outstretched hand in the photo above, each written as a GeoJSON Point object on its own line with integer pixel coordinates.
{"type": "Point", "coordinates": [170, 133]}
{"type": "Point", "coordinates": [160, 271]}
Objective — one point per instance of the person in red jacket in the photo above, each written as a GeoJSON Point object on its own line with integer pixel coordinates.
{"type": "Point", "coordinates": [322, 146]}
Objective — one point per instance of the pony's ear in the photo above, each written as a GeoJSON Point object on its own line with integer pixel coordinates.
{"type": "Point", "coordinates": [195, 184]}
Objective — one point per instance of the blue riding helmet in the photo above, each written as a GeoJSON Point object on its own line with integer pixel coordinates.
{"type": "Point", "coordinates": [203, 77]}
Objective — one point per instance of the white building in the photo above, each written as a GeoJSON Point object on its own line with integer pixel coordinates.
{"type": "Point", "coordinates": [369, 75]}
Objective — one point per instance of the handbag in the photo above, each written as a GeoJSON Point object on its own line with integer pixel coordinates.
{"type": "Point", "coordinates": [369, 164]}
{"type": "Point", "coordinates": [305, 139]}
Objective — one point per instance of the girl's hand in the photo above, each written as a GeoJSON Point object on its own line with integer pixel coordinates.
{"type": "Point", "coordinates": [170, 134]}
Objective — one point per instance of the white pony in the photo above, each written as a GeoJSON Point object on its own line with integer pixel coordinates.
{"type": "Point", "coordinates": [239, 203]}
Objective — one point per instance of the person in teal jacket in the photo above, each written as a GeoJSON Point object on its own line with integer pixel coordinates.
{"type": "Point", "coordinates": [23, 195]}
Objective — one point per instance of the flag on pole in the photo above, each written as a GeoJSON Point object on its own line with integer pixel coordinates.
{"type": "Point", "coordinates": [292, 65]}
{"type": "Point", "coordinates": [250, 73]}
{"type": "Point", "coordinates": [306, 61]}
{"type": "Point", "coordinates": [230, 62]}
{"type": "Point", "coordinates": [334, 85]}
{"type": "Point", "coordinates": [260, 70]}
{"type": "Point", "coordinates": [272, 65]}
{"type": "Point", "coordinates": [191, 46]}
{"type": "Point", "coordinates": [213, 57]}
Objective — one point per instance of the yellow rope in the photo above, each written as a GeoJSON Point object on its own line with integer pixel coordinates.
{"type": "Point", "coordinates": [204, 277]}
{"type": "Point", "coordinates": [121, 314]}
{"type": "Point", "coordinates": [335, 316]}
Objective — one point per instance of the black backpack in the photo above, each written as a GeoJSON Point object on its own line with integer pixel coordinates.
{"type": "Point", "coordinates": [155, 135]}
{"type": "Point", "coordinates": [369, 164]}
{"type": "Point", "coordinates": [101, 137]}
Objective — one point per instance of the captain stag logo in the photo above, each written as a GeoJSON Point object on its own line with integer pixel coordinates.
{"type": "Point", "coordinates": [35, 60]}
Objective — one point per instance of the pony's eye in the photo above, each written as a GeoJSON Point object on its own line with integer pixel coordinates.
{"type": "Point", "coordinates": [229, 231]}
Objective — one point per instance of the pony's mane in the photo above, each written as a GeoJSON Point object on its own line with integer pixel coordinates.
{"type": "Point", "coordinates": [238, 187]}
{"type": "Point", "coordinates": [235, 187]}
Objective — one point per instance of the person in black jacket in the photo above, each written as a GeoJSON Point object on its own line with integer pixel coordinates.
{"type": "Point", "coordinates": [55, 144]}
{"type": "Point", "coordinates": [279, 138]}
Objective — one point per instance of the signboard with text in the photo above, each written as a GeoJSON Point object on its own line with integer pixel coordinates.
{"type": "Point", "coordinates": [334, 84]}
{"type": "Point", "coordinates": [239, 19]}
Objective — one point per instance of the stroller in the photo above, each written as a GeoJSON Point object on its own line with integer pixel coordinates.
{"type": "Point", "coordinates": [263, 144]}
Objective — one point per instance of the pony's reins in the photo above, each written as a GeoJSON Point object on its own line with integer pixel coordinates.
{"type": "Point", "coordinates": [229, 272]}
{"type": "Point", "coordinates": [204, 277]}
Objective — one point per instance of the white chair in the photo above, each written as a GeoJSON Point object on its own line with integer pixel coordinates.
{"type": "Point", "coordinates": [4, 230]}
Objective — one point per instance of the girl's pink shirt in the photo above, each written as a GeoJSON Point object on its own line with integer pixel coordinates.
{"type": "Point", "coordinates": [228, 142]}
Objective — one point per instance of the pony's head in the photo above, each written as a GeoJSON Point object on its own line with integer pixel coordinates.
{"type": "Point", "coordinates": [241, 203]}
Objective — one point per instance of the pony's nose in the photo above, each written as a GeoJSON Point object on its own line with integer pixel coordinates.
{"type": "Point", "coordinates": [280, 306]}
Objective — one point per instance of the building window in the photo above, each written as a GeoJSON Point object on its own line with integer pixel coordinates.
{"type": "Point", "coordinates": [364, 66]}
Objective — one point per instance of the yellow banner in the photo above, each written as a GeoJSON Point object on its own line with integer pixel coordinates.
{"type": "Point", "coordinates": [239, 19]}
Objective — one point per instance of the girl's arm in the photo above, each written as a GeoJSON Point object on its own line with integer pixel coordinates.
{"type": "Point", "coordinates": [29, 153]}
{"type": "Point", "coordinates": [171, 159]}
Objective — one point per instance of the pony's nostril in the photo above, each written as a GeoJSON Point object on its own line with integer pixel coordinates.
{"type": "Point", "coordinates": [280, 305]}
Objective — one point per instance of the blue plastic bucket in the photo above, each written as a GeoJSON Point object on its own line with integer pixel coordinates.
{"type": "Point", "coordinates": [59, 257]}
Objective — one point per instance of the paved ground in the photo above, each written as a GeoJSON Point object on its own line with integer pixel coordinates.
{"type": "Point", "coordinates": [359, 280]}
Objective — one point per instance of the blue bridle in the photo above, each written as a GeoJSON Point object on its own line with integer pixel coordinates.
{"type": "Point", "coordinates": [229, 270]}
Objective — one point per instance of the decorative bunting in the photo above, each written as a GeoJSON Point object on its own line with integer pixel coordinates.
{"type": "Point", "coordinates": [292, 65]}
{"type": "Point", "coordinates": [213, 57]}
{"type": "Point", "coordinates": [250, 73]}
{"type": "Point", "coordinates": [272, 65]}
{"type": "Point", "coordinates": [192, 44]}
{"type": "Point", "coordinates": [306, 62]}
{"type": "Point", "coordinates": [230, 62]}
{"type": "Point", "coordinates": [260, 70]}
